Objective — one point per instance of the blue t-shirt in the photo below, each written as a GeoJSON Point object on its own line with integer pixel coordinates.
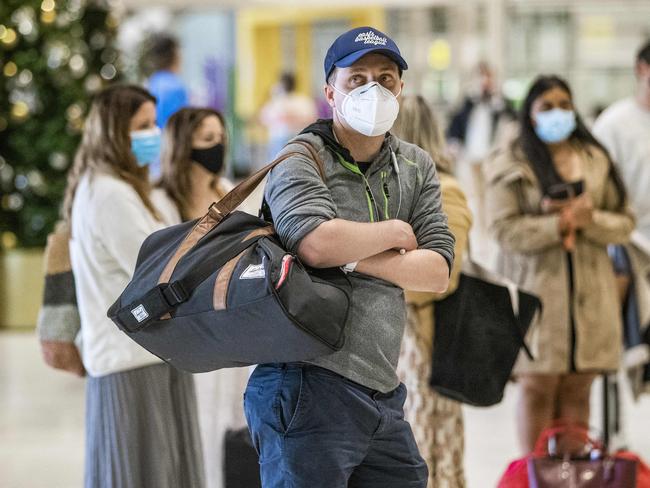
{"type": "Point", "coordinates": [170, 94]}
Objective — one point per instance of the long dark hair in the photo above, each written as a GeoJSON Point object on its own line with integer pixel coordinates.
{"type": "Point", "coordinates": [537, 152]}
{"type": "Point", "coordinates": [176, 160]}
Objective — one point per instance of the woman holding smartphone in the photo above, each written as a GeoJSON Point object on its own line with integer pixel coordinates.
{"type": "Point", "coordinates": [555, 201]}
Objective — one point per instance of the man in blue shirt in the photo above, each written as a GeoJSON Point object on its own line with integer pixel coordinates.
{"type": "Point", "coordinates": [163, 57]}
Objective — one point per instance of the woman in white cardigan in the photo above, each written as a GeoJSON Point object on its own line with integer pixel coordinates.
{"type": "Point", "coordinates": [141, 417]}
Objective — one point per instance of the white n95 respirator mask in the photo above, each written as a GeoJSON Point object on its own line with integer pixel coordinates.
{"type": "Point", "coordinates": [370, 109]}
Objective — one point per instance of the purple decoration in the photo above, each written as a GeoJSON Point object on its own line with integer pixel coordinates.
{"type": "Point", "coordinates": [216, 72]}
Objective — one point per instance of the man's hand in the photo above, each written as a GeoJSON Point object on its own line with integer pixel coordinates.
{"type": "Point", "coordinates": [64, 356]}
{"type": "Point", "coordinates": [403, 235]}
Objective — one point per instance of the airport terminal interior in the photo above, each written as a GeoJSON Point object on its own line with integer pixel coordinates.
{"type": "Point", "coordinates": [255, 69]}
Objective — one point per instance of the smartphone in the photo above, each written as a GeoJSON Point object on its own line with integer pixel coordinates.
{"type": "Point", "coordinates": [564, 191]}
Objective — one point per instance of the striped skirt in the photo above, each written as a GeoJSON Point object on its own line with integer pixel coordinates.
{"type": "Point", "coordinates": [142, 430]}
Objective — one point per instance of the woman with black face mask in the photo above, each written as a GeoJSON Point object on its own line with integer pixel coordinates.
{"type": "Point", "coordinates": [194, 149]}
{"type": "Point", "coordinates": [195, 144]}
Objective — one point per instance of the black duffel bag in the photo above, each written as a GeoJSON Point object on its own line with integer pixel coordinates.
{"type": "Point", "coordinates": [221, 292]}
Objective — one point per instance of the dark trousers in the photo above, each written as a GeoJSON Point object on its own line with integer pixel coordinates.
{"type": "Point", "coordinates": [315, 429]}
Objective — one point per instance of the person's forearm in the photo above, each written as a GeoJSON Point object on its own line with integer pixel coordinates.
{"type": "Point", "coordinates": [338, 242]}
{"type": "Point", "coordinates": [418, 270]}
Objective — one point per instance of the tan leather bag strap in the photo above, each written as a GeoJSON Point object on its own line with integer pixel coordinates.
{"type": "Point", "coordinates": [221, 209]}
{"type": "Point", "coordinates": [233, 199]}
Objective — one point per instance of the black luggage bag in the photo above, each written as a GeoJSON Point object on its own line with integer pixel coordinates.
{"type": "Point", "coordinates": [222, 292]}
{"type": "Point", "coordinates": [241, 462]}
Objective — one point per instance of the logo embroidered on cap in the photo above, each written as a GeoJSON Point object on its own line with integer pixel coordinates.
{"type": "Point", "coordinates": [254, 271]}
{"type": "Point", "coordinates": [371, 38]}
{"type": "Point", "coordinates": [140, 313]}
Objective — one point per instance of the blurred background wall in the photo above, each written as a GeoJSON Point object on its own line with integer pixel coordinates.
{"type": "Point", "coordinates": [591, 43]}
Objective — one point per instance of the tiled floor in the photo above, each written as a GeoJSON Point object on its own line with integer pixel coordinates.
{"type": "Point", "coordinates": [41, 425]}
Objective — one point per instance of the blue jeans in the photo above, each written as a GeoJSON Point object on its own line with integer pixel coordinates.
{"type": "Point", "coordinates": [316, 429]}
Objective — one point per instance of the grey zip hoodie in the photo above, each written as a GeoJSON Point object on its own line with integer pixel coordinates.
{"type": "Point", "coordinates": [300, 201]}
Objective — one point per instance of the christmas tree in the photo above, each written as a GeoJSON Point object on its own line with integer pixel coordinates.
{"type": "Point", "coordinates": [54, 55]}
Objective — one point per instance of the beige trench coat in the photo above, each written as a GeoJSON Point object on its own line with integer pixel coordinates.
{"type": "Point", "coordinates": [531, 255]}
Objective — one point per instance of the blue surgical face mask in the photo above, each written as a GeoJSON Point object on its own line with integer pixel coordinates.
{"type": "Point", "coordinates": [145, 145]}
{"type": "Point", "coordinates": [553, 126]}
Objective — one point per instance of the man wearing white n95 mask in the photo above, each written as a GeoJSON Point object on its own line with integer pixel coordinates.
{"type": "Point", "coordinates": [338, 420]}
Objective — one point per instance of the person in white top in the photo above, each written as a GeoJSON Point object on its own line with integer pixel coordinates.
{"type": "Point", "coordinates": [624, 129]}
{"type": "Point", "coordinates": [193, 162]}
{"type": "Point", "coordinates": [141, 417]}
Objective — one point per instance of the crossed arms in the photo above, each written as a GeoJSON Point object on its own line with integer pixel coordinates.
{"type": "Point", "coordinates": [376, 247]}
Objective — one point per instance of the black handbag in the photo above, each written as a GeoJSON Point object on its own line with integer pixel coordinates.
{"type": "Point", "coordinates": [479, 331]}
{"type": "Point", "coordinates": [222, 292]}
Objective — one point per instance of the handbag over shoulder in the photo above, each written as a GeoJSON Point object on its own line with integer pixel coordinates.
{"type": "Point", "coordinates": [480, 330]}
{"type": "Point", "coordinates": [58, 319]}
{"type": "Point", "coordinates": [222, 292]}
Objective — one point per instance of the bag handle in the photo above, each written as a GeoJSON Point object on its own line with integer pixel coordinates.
{"type": "Point", "coordinates": [576, 431]}
{"type": "Point", "coordinates": [521, 324]}
{"type": "Point", "coordinates": [232, 200]}
{"type": "Point", "coordinates": [221, 209]}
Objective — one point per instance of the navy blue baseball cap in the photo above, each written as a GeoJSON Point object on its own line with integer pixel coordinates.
{"type": "Point", "coordinates": [348, 48]}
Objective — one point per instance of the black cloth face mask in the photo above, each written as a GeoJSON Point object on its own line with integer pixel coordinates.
{"type": "Point", "coordinates": [211, 158]}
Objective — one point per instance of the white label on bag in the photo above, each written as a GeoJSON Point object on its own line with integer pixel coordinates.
{"type": "Point", "coordinates": [253, 272]}
{"type": "Point", "coordinates": [140, 313]}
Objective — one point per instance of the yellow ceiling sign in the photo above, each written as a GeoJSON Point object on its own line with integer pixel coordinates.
{"type": "Point", "coordinates": [440, 55]}
{"type": "Point", "coordinates": [598, 27]}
